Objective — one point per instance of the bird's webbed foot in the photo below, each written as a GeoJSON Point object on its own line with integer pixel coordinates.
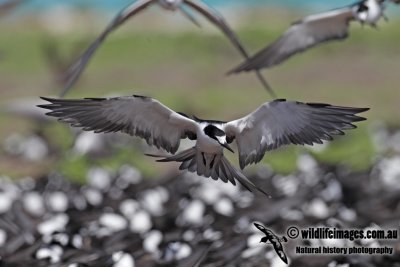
{"type": "Point", "coordinates": [374, 26]}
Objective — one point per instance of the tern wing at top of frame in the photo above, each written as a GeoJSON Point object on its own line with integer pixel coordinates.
{"type": "Point", "coordinates": [78, 67]}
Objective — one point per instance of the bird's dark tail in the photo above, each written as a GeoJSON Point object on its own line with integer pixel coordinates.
{"type": "Point", "coordinates": [211, 165]}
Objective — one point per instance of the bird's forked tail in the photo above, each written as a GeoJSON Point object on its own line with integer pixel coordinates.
{"type": "Point", "coordinates": [211, 165]}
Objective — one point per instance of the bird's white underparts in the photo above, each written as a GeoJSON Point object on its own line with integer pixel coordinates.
{"type": "Point", "coordinates": [270, 126]}
{"type": "Point", "coordinates": [314, 30]}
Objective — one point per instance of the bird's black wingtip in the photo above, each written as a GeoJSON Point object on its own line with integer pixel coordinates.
{"type": "Point", "coordinates": [238, 69]}
{"type": "Point", "coordinates": [364, 109]}
{"type": "Point", "coordinates": [161, 158]}
{"type": "Point", "coordinates": [231, 72]}
{"type": "Point", "coordinates": [45, 106]}
{"type": "Point", "coordinates": [358, 119]}
{"type": "Point", "coordinates": [48, 99]}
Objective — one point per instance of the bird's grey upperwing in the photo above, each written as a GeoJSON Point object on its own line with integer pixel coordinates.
{"type": "Point", "coordinates": [309, 32]}
{"type": "Point", "coordinates": [135, 115]}
{"type": "Point", "coordinates": [218, 20]}
{"type": "Point", "coordinates": [282, 122]}
{"type": "Point", "coordinates": [77, 68]}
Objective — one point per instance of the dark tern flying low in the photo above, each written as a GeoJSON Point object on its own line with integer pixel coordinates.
{"type": "Point", "coordinates": [274, 240]}
{"type": "Point", "coordinates": [314, 30]}
{"type": "Point", "coordinates": [272, 125]}
{"type": "Point", "coordinates": [212, 15]}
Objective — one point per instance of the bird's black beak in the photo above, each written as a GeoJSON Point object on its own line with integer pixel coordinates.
{"type": "Point", "coordinates": [225, 144]}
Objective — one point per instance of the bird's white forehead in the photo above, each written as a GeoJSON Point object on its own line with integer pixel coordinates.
{"type": "Point", "coordinates": [221, 139]}
{"type": "Point", "coordinates": [204, 125]}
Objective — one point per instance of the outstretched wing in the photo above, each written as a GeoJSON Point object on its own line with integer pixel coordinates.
{"type": "Point", "coordinates": [261, 228]}
{"type": "Point", "coordinates": [77, 68]}
{"type": "Point", "coordinates": [279, 123]}
{"type": "Point", "coordinates": [274, 241]}
{"type": "Point", "coordinates": [214, 17]}
{"type": "Point", "coordinates": [279, 250]}
{"type": "Point", "coordinates": [135, 115]}
{"type": "Point", "coordinates": [309, 32]}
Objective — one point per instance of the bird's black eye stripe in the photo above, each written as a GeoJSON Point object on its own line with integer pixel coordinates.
{"type": "Point", "coordinates": [219, 132]}
{"type": "Point", "coordinates": [213, 131]}
{"type": "Point", "coordinates": [362, 7]}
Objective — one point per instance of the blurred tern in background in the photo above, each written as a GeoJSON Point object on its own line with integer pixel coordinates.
{"type": "Point", "coordinates": [272, 125]}
{"type": "Point", "coordinates": [58, 62]}
{"type": "Point", "coordinates": [182, 5]}
{"type": "Point", "coordinates": [314, 30]}
{"type": "Point", "coordinates": [8, 6]}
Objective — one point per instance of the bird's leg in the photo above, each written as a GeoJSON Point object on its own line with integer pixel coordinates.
{"type": "Point", "coordinates": [374, 26]}
{"type": "Point", "coordinates": [385, 18]}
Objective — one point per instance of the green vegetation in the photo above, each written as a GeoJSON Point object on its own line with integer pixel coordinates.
{"type": "Point", "coordinates": [179, 67]}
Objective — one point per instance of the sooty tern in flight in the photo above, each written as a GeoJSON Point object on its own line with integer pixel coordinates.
{"type": "Point", "coordinates": [314, 30]}
{"type": "Point", "coordinates": [212, 15]}
{"type": "Point", "coordinates": [272, 125]}
{"type": "Point", "coordinates": [274, 240]}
